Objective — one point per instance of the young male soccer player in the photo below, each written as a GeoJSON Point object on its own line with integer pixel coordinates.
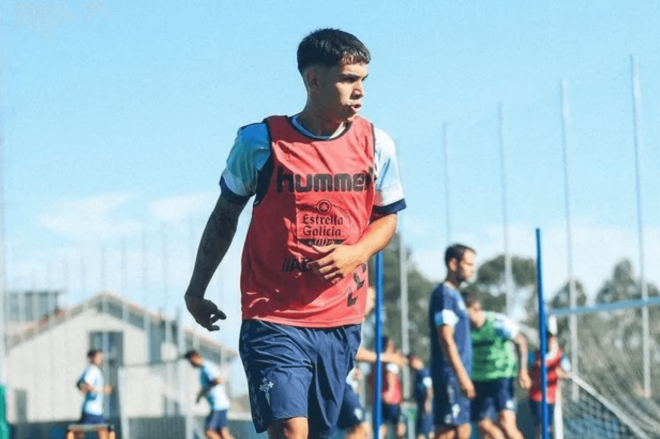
{"type": "Point", "coordinates": [392, 394]}
{"type": "Point", "coordinates": [494, 369]}
{"type": "Point", "coordinates": [558, 367]}
{"type": "Point", "coordinates": [423, 386]}
{"type": "Point", "coordinates": [451, 347]}
{"type": "Point", "coordinates": [92, 385]}
{"type": "Point", "coordinates": [213, 389]}
{"type": "Point", "coordinates": [327, 191]}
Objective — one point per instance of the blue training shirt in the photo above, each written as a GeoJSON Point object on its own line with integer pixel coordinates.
{"type": "Point", "coordinates": [423, 384]}
{"type": "Point", "coordinates": [447, 307]}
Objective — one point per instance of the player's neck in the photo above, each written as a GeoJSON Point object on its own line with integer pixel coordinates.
{"type": "Point", "coordinates": [318, 125]}
{"type": "Point", "coordinates": [452, 281]}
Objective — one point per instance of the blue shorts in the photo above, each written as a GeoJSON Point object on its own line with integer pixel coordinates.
{"type": "Point", "coordinates": [492, 397]}
{"type": "Point", "coordinates": [450, 407]}
{"type": "Point", "coordinates": [297, 372]}
{"type": "Point", "coordinates": [351, 413]}
{"type": "Point", "coordinates": [216, 420]}
{"type": "Point", "coordinates": [391, 414]}
{"type": "Point", "coordinates": [424, 421]}
{"type": "Point", "coordinates": [536, 407]}
{"type": "Point", "coordinates": [88, 418]}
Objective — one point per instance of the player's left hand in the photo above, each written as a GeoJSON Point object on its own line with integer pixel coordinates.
{"type": "Point", "coordinates": [524, 380]}
{"type": "Point", "coordinates": [205, 312]}
{"type": "Point", "coordinates": [337, 262]}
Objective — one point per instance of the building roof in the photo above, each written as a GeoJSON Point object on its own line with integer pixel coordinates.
{"type": "Point", "coordinates": [122, 309]}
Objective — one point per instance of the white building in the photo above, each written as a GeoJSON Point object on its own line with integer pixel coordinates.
{"type": "Point", "coordinates": [142, 353]}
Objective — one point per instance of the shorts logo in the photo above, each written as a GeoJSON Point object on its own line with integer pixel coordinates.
{"type": "Point", "coordinates": [265, 387]}
{"type": "Point", "coordinates": [455, 410]}
{"type": "Point", "coordinates": [510, 405]}
{"type": "Point", "coordinates": [359, 415]}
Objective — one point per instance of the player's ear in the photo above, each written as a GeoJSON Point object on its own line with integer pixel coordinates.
{"type": "Point", "coordinates": [452, 264]}
{"type": "Point", "coordinates": [312, 79]}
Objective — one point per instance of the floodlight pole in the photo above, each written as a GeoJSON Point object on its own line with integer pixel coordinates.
{"type": "Point", "coordinates": [3, 313]}
{"type": "Point", "coordinates": [508, 269]}
{"type": "Point", "coordinates": [572, 294]}
{"type": "Point", "coordinates": [636, 95]}
{"type": "Point", "coordinates": [378, 383]}
{"type": "Point", "coordinates": [445, 141]}
{"type": "Point", "coordinates": [542, 337]}
{"type": "Point", "coordinates": [405, 339]}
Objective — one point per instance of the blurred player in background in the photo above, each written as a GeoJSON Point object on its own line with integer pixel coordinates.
{"type": "Point", "coordinates": [423, 390]}
{"type": "Point", "coordinates": [213, 389]}
{"type": "Point", "coordinates": [352, 414]}
{"type": "Point", "coordinates": [327, 191]}
{"type": "Point", "coordinates": [451, 347]}
{"type": "Point", "coordinates": [494, 370]}
{"type": "Point", "coordinates": [391, 393]}
{"type": "Point", "coordinates": [92, 385]}
{"type": "Point", "coordinates": [558, 367]}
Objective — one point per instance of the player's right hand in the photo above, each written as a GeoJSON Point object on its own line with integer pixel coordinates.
{"type": "Point", "coordinates": [467, 387]}
{"type": "Point", "coordinates": [205, 312]}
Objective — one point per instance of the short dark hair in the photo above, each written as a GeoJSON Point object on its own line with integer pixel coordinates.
{"type": "Point", "coordinates": [92, 353]}
{"type": "Point", "coordinates": [456, 251]}
{"type": "Point", "coordinates": [470, 298]}
{"type": "Point", "coordinates": [331, 47]}
{"type": "Point", "coordinates": [191, 353]}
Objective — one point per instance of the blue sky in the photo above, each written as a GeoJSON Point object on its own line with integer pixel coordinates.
{"type": "Point", "coordinates": [117, 119]}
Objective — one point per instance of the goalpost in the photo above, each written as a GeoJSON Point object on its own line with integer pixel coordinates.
{"type": "Point", "coordinates": [607, 396]}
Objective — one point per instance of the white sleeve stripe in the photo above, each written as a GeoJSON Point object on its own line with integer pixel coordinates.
{"type": "Point", "coordinates": [446, 317]}
{"type": "Point", "coordinates": [388, 182]}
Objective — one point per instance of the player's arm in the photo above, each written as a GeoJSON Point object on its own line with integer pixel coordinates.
{"type": "Point", "coordinates": [523, 374]}
{"type": "Point", "coordinates": [450, 350]}
{"type": "Point", "coordinates": [206, 389]}
{"type": "Point", "coordinates": [428, 402]}
{"type": "Point", "coordinates": [564, 369]}
{"type": "Point", "coordinates": [507, 329]}
{"type": "Point", "coordinates": [217, 237]}
{"type": "Point", "coordinates": [364, 355]}
{"type": "Point", "coordinates": [339, 261]}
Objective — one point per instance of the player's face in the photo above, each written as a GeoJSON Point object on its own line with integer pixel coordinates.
{"type": "Point", "coordinates": [465, 267]}
{"type": "Point", "coordinates": [341, 90]}
{"type": "Point", "coordinates": [474, 313]}
{"type": "Point", "coordinates": [98, 359]}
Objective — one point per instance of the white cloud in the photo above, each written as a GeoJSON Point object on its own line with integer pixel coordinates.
{"type": "Point", "coordinates": [91, 218]}
{"type": "Point", "coordinates": [181, 208]}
